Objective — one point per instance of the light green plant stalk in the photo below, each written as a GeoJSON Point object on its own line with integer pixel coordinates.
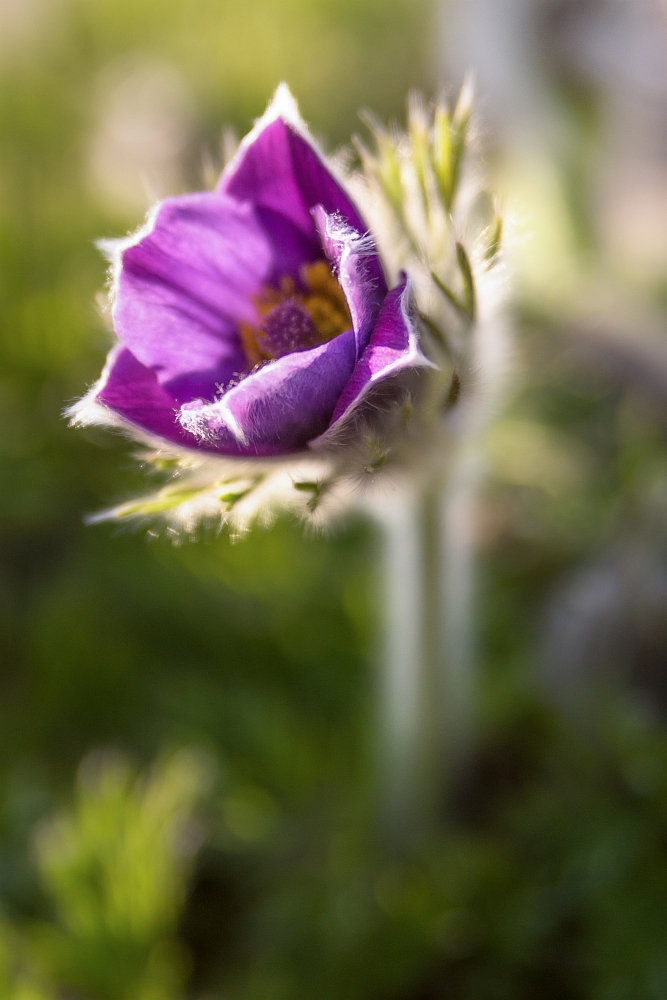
{"type": "Point", "coordinates": [401, 695]}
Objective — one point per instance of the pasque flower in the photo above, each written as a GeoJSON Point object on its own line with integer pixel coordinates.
{"type": "Point", "coordinates": [252, 320]}
{"type": "Point", "coordinates": [261, 353]}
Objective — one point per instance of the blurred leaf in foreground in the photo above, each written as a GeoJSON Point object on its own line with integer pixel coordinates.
{"type": "Point", "coordinates": [116, 868]}
{"type": "Point", "coordinates": [18, 976]}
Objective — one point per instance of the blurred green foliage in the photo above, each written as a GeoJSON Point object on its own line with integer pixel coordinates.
{"type": "Point", "coordinates": [115, 871]}
{"type": "Point", "coordinates": [270, 882]}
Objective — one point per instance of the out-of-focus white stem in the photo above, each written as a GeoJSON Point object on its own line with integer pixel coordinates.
{"type": "Point", "coordinates": [456, 650]}
{"type": "Point", "coordinates": [457, 626]}
{"type": "Point", "coordinates": [428, 674]}
{"type": "Point", "coordinates": [401, 680]}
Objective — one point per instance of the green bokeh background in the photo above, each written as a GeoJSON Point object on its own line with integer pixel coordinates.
{"type": "Point", "coordinates": [548, 877]}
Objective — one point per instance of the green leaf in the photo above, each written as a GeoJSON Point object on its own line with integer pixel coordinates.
{"type": "Point", "coordinates": [493, 249]}
{"type": "Point", "coordinates": [442, 154]}
{"type": "Point", "coordinates": [469, 297]}
{"type": "Point", "coordinates": [317, 489]}
{"type": "Point", "coordinates": [449, 295]}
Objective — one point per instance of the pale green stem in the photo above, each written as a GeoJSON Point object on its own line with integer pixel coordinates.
{"type": "Point", "coordinates": [428, 675]}
{"type": "Point", "coordinates": [401, 695]}
{"type": "Point", "coordinates": [458, 627]}
{"type": "Point", "coordinates": [456, 652]}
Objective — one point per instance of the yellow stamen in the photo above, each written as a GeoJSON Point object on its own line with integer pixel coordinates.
{"type": "Point", "coordinates": [250, 345]}
{"type": "Point", "coordinates": [326, 303]}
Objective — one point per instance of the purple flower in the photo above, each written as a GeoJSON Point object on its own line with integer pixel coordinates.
{"type": "Point", "coordinates": [254, 320]}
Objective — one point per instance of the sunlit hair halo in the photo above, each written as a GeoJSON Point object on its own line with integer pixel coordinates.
{"type": "Point", "coordinates": [276, 347]}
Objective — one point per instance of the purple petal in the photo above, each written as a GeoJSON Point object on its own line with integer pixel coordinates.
{"type": "Point", "coordinates": [393, 347]}
{"type": "Point", "coordinates": [290, 246]}
{"type": "Point", "coordinates": [359, 271]}
{"type": "Point", "coordinates": [184, 287]}
{"type": "Point", "coordinates": [279, 408]}
{"type": "Point", "coordinates": [281, 174]}
{"type": "Point", "coordinates": [134, 393]}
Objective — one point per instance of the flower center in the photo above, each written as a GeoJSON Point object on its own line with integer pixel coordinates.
{"type": "Point", "coordinates": [296, 320]}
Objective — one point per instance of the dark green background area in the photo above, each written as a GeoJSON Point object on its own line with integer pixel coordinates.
{"type": "Point", "coordinates": [547, 879]}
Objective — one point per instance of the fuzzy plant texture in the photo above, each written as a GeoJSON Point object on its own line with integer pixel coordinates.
{"type": "Point", "coordinates": [303, 329]}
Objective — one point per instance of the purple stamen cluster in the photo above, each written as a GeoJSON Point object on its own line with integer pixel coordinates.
{"type": "Point", "coordinates": [288, 327]}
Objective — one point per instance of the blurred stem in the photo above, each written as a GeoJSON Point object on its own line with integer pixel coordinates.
{"type": "Point", "coordinates": [402, 675]}
{"type": "Point", "coordinates": [428, 693]}
{"type": "Point", "coordinates": [455, 630]}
